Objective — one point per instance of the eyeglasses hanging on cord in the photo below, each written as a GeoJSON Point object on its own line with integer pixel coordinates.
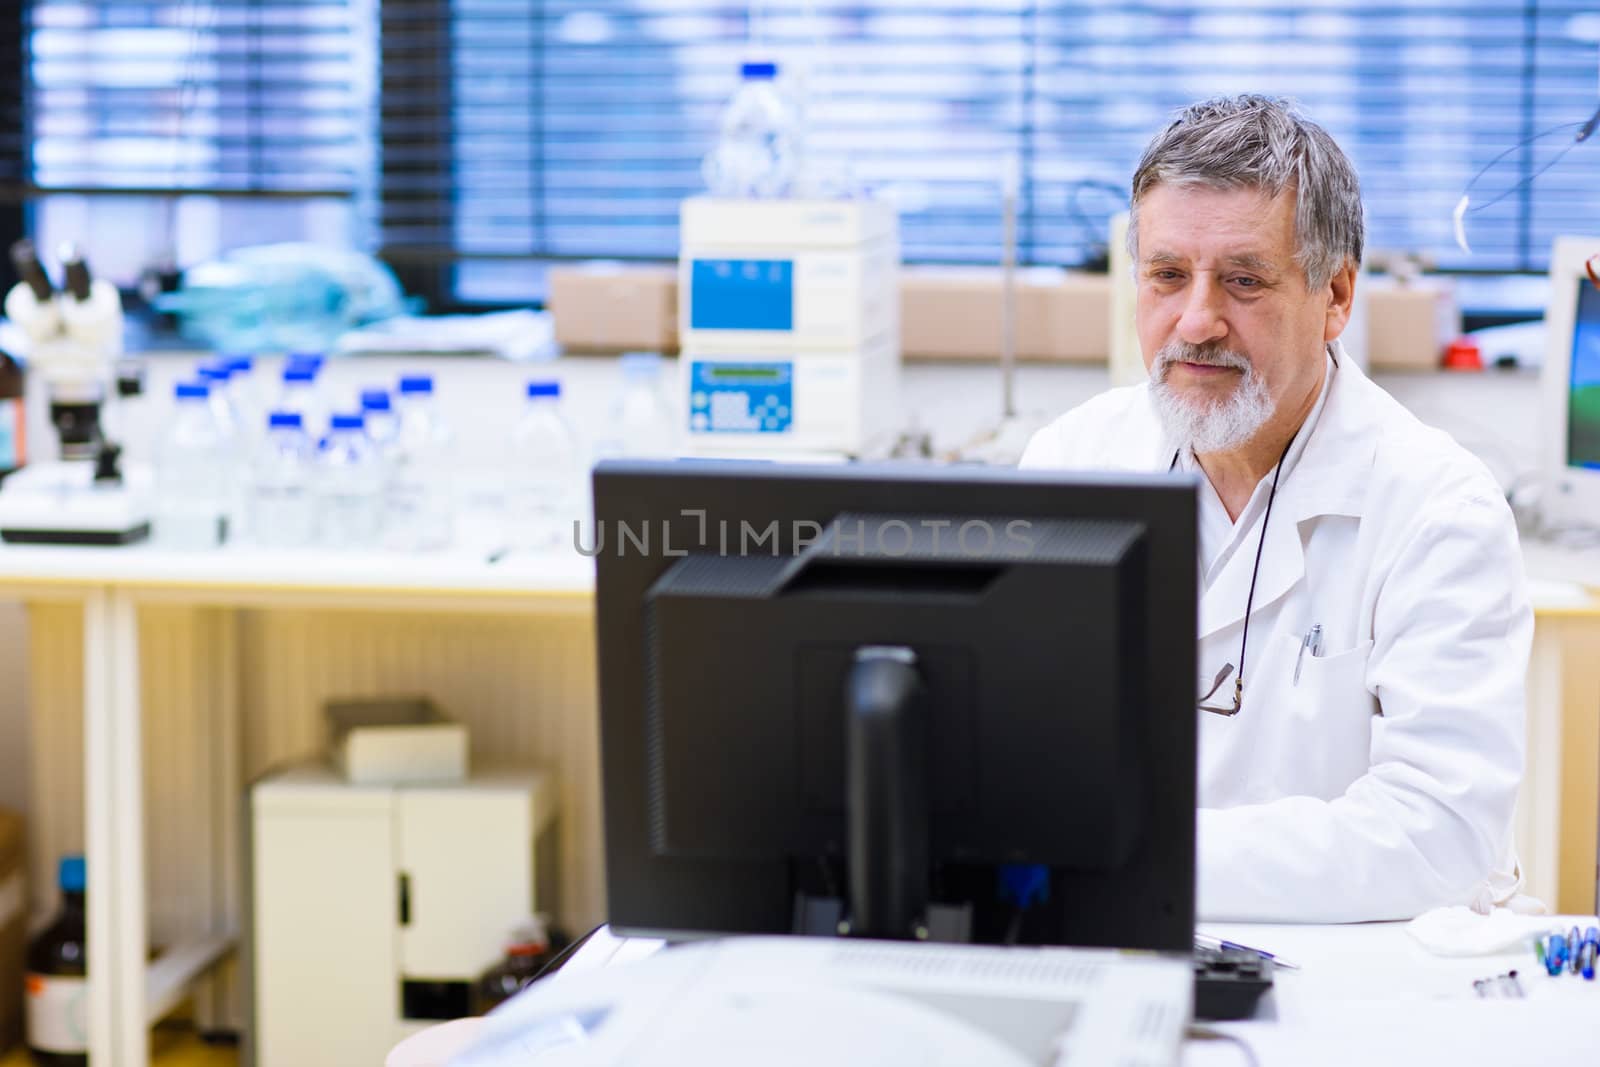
{"type": "Point", "coordinates": [1465, 206]}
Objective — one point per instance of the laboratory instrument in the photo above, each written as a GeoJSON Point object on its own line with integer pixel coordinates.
{"type": "Point", "coordinates": [789, 327]}
{"type": "Point", "coordinates": [74, 339]}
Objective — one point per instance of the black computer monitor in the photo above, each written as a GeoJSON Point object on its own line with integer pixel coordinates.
{"type": "Point", "coordinates": [847, 697]}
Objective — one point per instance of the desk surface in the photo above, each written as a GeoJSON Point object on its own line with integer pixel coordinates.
{"type": "Point", "coordinates": [1370, 995]}
{"type": "Point", "coordinates": [248, 569]}
{"type": "Point", "coordinates": [1556, 578]}
{"type": "Point", "coordinates": [1366, 995]}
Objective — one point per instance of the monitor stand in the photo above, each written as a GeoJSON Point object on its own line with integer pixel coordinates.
{"type": "Point", "coordinates": [886, 797]}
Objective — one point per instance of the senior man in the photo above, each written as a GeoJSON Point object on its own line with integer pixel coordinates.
{"type": "Point", "coordinates": [1364, 624]}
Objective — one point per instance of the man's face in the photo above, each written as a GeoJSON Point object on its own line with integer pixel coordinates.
{"type": "Point", "coordinates": [1229, 330]}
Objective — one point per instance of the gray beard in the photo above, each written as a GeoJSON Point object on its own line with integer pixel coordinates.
{"type": "Point", "coordinates": [1206, 425]}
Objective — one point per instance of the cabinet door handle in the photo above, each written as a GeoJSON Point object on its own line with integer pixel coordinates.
{"type": "Point", "coordinates": [405, 899]}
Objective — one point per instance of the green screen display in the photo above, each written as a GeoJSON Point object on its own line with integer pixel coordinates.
{"type": "Point", "coordinates": [745, 374]}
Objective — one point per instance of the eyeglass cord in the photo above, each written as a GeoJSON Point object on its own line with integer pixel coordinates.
{"type": "Point", "coordinates": [1255, 571]}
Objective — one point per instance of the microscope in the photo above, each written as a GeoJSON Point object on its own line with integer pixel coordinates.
{"type": "Point", "coordinates": [74, 338]}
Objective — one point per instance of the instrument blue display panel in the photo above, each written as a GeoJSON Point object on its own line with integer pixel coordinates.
{"type": "Point", "coordinates": [753, 397]}
{"type": "Point", "coordinates": [741, 294]}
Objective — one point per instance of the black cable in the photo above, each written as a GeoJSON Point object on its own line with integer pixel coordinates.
{"type": "Point", "coordinates": [1206, 1033]}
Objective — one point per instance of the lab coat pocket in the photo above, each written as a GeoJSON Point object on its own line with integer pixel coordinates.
{"type": "Point", "coordinates": [1332, 711]}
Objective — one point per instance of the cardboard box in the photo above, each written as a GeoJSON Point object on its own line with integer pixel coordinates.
{"type": "Point", "coordinates": [615, 307]}
{"type": "Point", "coordinates": [955, 314]}
{"type": "Point", "coordinates": [13, 928]}
{"type": "Point", "coordinates": [1409, 324]}
{"type": "Point", "coordinates": [398, 741]}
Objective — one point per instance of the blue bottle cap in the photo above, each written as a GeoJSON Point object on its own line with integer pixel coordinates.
{"type": "Point", "coordinates": [191, 391]}
{"type": "Point", "coordinates": [285, 420]}
{"type": "Point", "coordinates": [215, 372]}
{"type": "Point", "coordinates": [543, 389]}
{"type": "Point", "coordinates": [348, 422]}
{"type": "Point", "coordinates": [307, 357]}
{"type": "Point", "coordinates": [72, 875]}
{"type": "Point", "coordinates": [241, 364]}
{"type": "Point", "coordinates": [758, 71]}
{"type": "Point", "coordinates": [416, 383]}
{"type": "Point", "coordinates": [299, 374]}
{"type": "Point", "coordinates": [375, 400]}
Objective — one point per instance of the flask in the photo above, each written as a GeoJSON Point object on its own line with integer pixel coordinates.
{"type": "Point", "coordinates": [641, 425]}
{"type": "Point", "coordinates": [543, 485]}
{"type": "Point", "coordinates": [421, 498]}
{"type": "Point", "coordinates": [283, 490]}
{"type": "Point", "coordinates": [57, 979]}
{"type": "Point", "coordinates": [349, 486]}
{"type": "Point", "coordinates": [757, 152]}
{"type": "Point", "coordinates": [191, 472]}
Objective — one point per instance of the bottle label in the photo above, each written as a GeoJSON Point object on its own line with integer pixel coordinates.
{"type": "Point", "coordinates": [58, 1013]}
{"type": "Point", "coordinates": [13, 450]}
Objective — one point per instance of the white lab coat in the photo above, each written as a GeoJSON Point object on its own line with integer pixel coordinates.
{"type": "Point", "coordinates": [1382, 783]}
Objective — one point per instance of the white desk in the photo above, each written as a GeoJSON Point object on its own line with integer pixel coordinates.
{"type": "Point", "coordinates": [1369, 995]}
{"type": "Point", "coordinates": [1365, 995]}
{"type": "Point", "coordinates": [112, 586]}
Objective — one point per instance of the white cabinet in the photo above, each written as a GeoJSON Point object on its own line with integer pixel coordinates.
{"type": "Point", "coordinates": [375, 907]}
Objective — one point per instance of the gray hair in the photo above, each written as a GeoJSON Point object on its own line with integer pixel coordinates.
{"type": "Point", "coordinates": [1261, 142]}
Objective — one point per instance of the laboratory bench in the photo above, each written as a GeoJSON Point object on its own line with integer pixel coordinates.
{"type": "Point", "coordinates": [161, 683]}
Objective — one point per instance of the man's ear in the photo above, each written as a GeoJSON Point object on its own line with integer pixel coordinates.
{"type": "Point", "coordinates": [1341, 296]}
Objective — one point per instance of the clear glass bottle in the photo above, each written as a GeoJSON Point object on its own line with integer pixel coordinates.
{"type": "Point", "coordinates": [543, 486]}
{"type": "Point", "coordinates": [283, 485]}
{"type": "Point", "coordinates": [422, 476]}
{"type": "Point", "coordinates": [192, 458]}
{"type": "Point", "coordinates": [641, 424]}
{"type": "Point", "coordinates": [349, 487]}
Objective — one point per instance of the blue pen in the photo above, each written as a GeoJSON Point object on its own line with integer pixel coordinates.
{"type": "Point", "coordinates": [1555, 954]}
{"type": "Point", "coordinates": [1217, 942]}
{"type": "Point", "coordinates": [1588, 954]}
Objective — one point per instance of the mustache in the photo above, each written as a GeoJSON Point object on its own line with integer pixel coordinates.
{"type": "Point", "coordinates": [1206, 355]}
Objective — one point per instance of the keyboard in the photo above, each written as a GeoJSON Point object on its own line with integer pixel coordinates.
{"type": "Point", "coordinates": [1228, 982]}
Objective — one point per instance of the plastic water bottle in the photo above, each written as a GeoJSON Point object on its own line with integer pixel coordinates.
{"type": "Point", "coordinates": [545, 481]}
{"type": "Point", "coordinates": [758, 152]}
{"type": "Point", "coordinates": [421, 496]}
{"type": "Point", "coordinates": [349, 486]}
{"type": "Point", "coordinates": [283, 485]}
{"type": "Point", "coordinates": [191, 474]}
{"type": "Point", "coordinates": [641, 423]}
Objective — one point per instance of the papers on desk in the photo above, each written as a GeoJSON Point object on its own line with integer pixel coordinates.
{"type": "Point", "coordinates": [782, 1001]}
